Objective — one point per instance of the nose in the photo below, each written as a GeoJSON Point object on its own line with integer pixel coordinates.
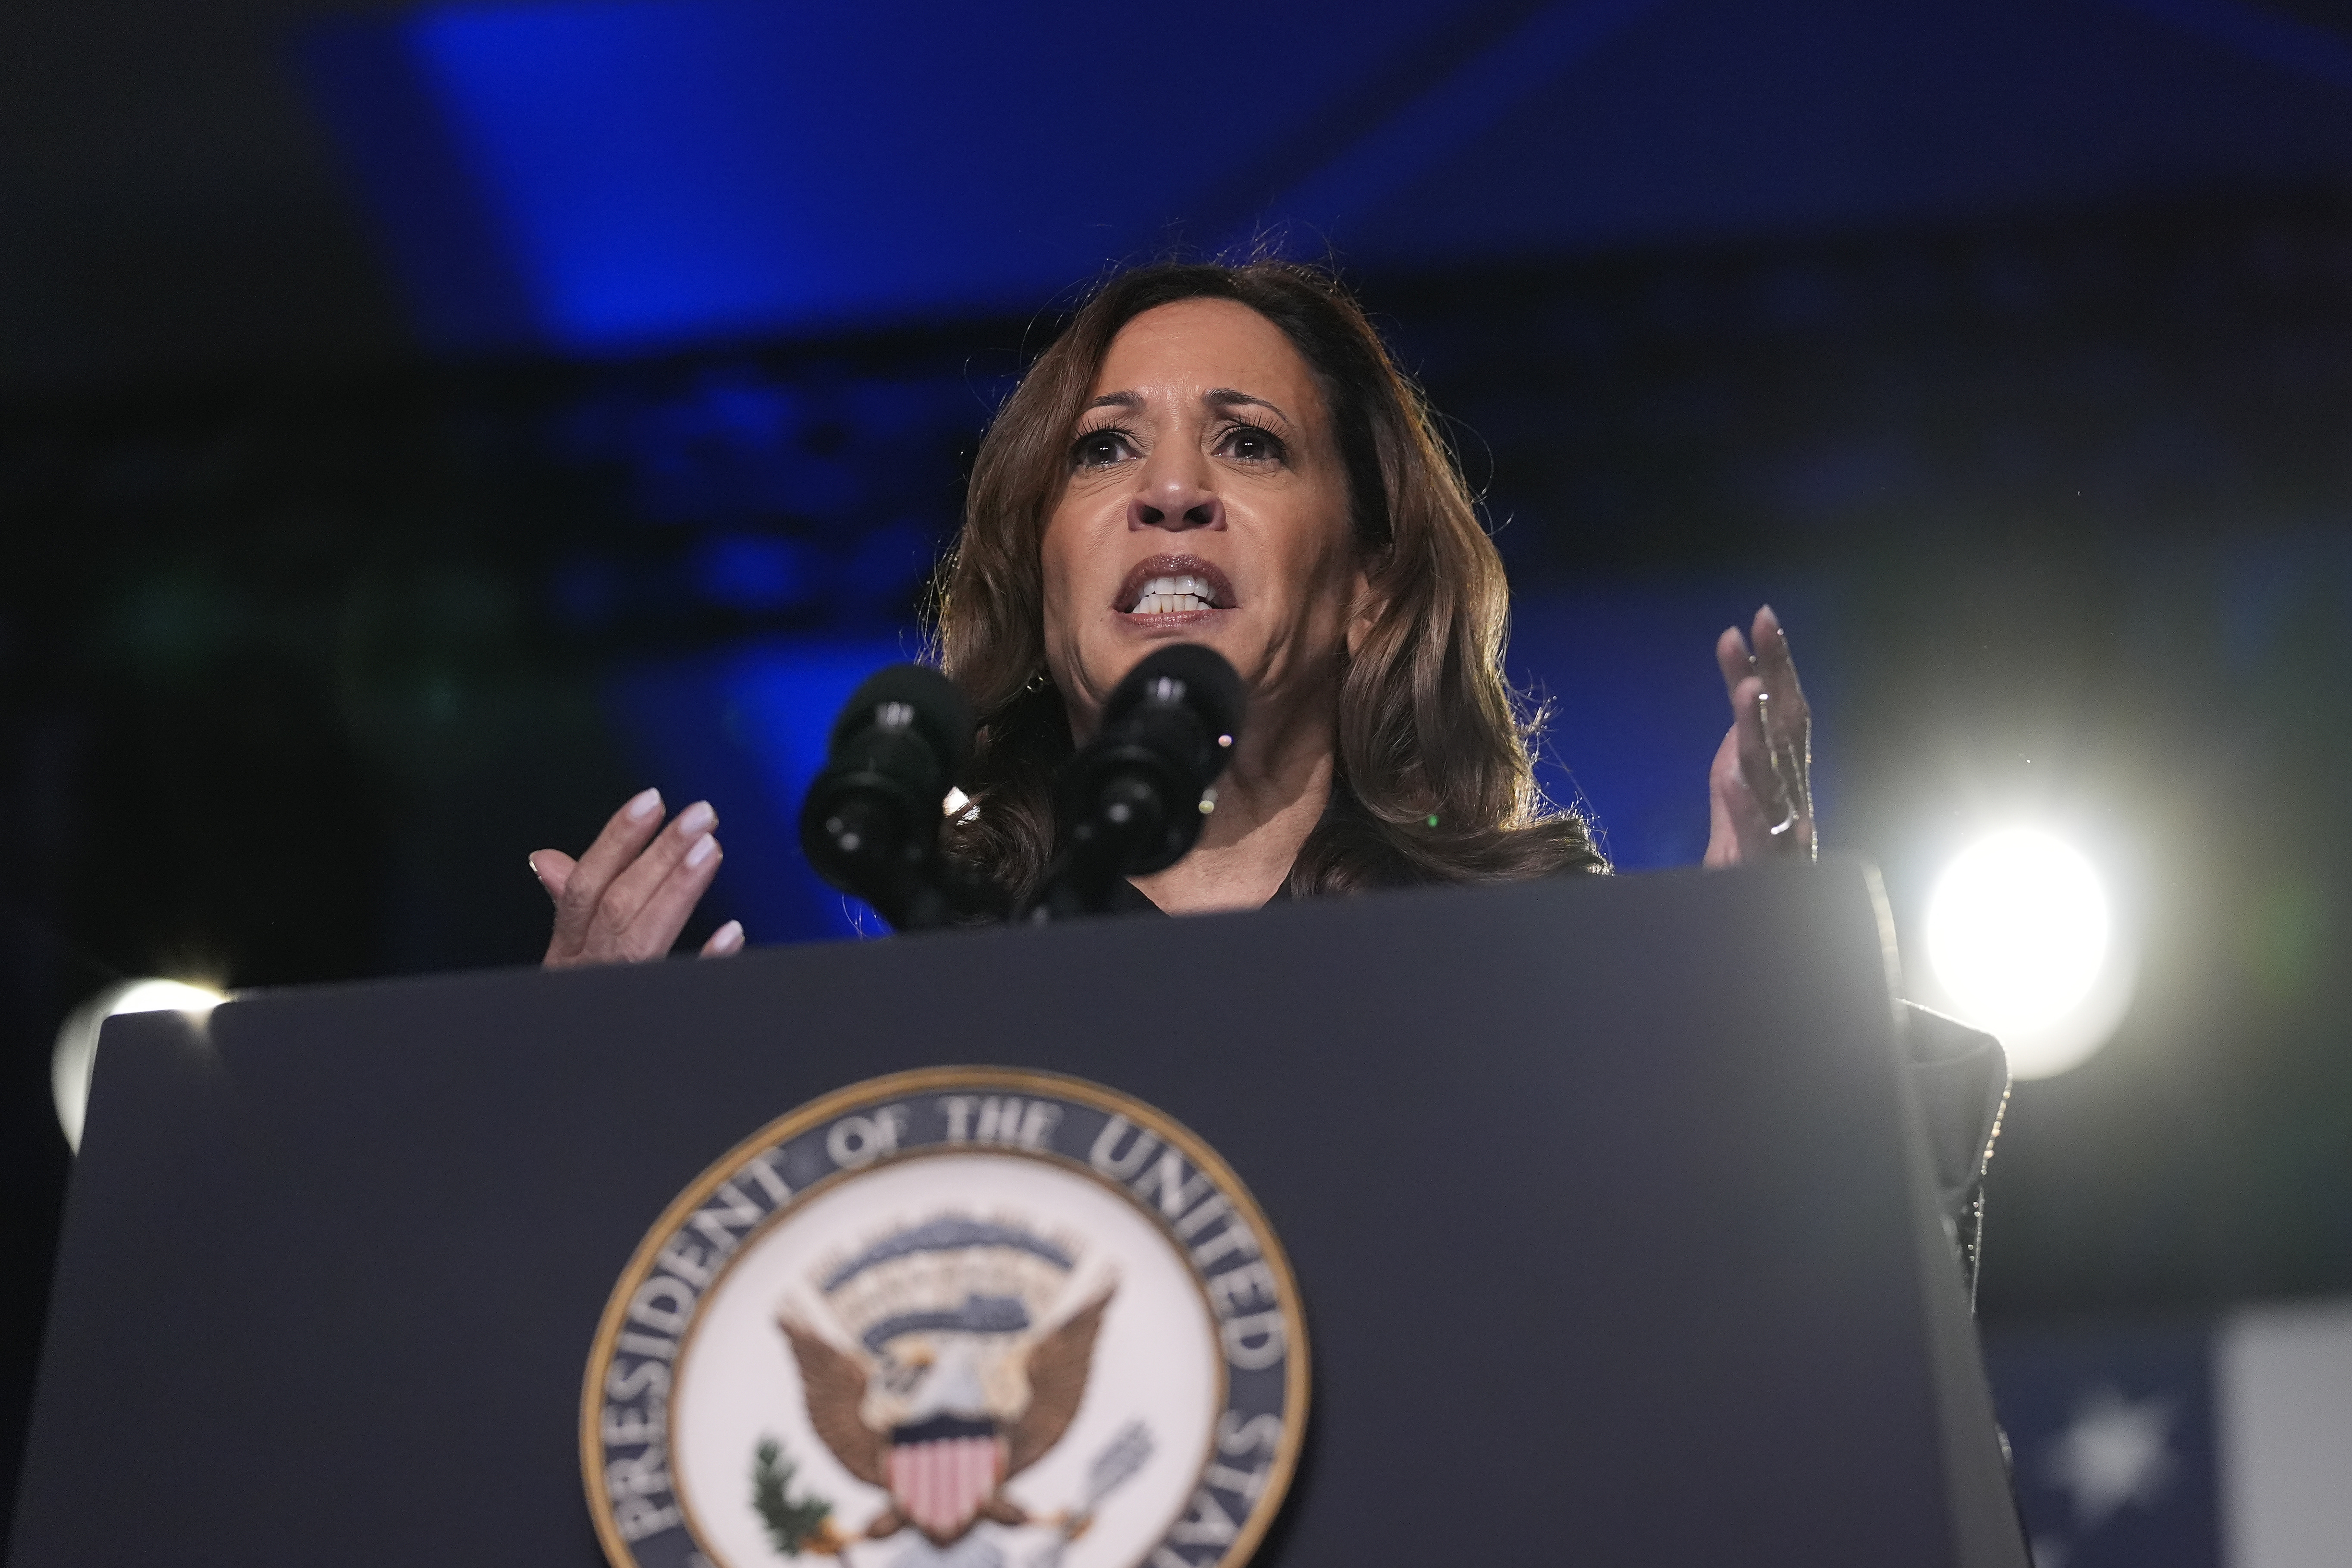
{"type": "Point", "coordinates": [1171, 498]}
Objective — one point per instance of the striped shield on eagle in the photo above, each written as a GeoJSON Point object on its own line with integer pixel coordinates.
{"type": "Point", "coordinates": [954, 1386]}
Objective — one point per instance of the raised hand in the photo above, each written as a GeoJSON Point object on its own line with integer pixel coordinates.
{"type": "Point", "coordinates": [625, 899]}
{"type": "Point", "coordinates": [1758, 791]}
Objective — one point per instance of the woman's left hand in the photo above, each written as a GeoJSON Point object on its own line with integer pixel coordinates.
{"type": "Point", "coordinates": [1760, 796]}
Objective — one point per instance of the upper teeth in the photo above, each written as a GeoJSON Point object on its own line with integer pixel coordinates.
{"type": "Point", "coordinates": [1164, 596]}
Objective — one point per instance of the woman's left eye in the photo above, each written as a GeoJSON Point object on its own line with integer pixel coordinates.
{"type": "Point", "coordinates": [1249, 443]}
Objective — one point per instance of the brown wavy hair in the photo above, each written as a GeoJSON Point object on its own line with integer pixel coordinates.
{"type": "Point", "coordinates": [1433, 781]}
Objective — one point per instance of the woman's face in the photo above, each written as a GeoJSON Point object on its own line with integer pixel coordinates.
{"type": "Point", "coordinates": [1206, 502]}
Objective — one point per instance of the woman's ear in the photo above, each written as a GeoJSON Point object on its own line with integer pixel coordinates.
{"type": "Point", "coordinates": [1367, 601]}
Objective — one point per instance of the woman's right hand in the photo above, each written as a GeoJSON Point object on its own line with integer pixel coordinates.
{"type": "Point", "coordinates": [625, 899]}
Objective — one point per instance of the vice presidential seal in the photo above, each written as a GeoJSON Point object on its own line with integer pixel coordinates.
{"type": "Point", "coordinates": [963, 1317]}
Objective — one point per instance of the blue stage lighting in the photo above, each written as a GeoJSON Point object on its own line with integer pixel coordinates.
{"type": "Point", "coordinates": [641, 174]}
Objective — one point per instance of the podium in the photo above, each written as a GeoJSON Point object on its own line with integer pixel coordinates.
{"type": "Point", "coordinates": [1606, 1200]}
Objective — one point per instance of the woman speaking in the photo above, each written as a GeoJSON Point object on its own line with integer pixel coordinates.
{"type": "Point", "coordinates": [1229, 456]}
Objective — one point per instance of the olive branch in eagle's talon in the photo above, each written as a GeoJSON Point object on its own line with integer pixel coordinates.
{"type": "Point", "coordinates": [804, 1525]}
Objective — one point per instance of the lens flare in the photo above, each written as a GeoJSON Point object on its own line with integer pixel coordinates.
{"type": "Point", "coordinates": [2022, 939]}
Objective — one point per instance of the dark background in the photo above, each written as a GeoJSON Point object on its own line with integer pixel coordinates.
{"type": "Point", "coordinates": [365, 533]}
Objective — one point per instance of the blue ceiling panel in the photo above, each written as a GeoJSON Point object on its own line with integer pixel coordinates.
{"type": "Point", "coordinates": [1703, 119]}
{"type": "Point", "coordinates": [631, 175]}
{"type": "Point", "coordinates": [662, 171]}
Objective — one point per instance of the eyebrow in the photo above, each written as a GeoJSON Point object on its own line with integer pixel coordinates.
{"type": "Point", "coordinates": [1215, 397]}
{"type": "Point", "coordinates": [1226, 397]}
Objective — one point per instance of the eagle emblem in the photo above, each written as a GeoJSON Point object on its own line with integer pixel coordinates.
{"type": "Point", "coordinates": [959, 1373]}
{"type": "Point", "coordinates": [938, 1319]}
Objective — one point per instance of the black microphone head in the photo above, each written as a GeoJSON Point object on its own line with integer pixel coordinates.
{"type": "Point", "coordinates": [870, 821]}
{"type": "Point", "coordinates": [925, 701]}
{"type": "Point", "coordinates": [1204, 682]}
{"type": "Point", "coordinates": [1133, 796]}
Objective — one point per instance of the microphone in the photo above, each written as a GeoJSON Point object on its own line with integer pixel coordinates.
{"type": "Point", "coordinates": [870, 823]}
{"type": "Point", "coordinates": [1131, 801]}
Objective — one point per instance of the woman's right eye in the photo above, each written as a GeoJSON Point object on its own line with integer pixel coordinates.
{"type": "Point", "coordinates": [1101, 449]}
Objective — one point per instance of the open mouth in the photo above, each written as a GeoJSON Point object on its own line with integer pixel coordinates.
{"type": "Point", "coordinates": [1175, 585]}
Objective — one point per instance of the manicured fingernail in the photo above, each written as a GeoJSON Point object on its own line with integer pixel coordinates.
{"type": "Point", "coordinates": [726, 937]}
{"type": "Point", "coordinates": [704, 849]}
{"type": "Point", "coordinates": [697, 818]}
{"type": "Point", "coordinates": [532, 861]}
{"type": "Point", "coordinates": [644, 806]}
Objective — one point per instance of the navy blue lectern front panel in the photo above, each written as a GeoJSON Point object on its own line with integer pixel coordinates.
{"type": "Point", "coordinates": [1600, 1194]}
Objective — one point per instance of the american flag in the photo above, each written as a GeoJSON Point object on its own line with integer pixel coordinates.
{"type": "Point", "coordinates": [2186, 1444]}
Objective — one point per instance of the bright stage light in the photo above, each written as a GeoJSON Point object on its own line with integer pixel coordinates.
{"type": "Point", "coordinates": [2022, 941]}
{"type": "Point", "coordinates": [76, 1057]}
